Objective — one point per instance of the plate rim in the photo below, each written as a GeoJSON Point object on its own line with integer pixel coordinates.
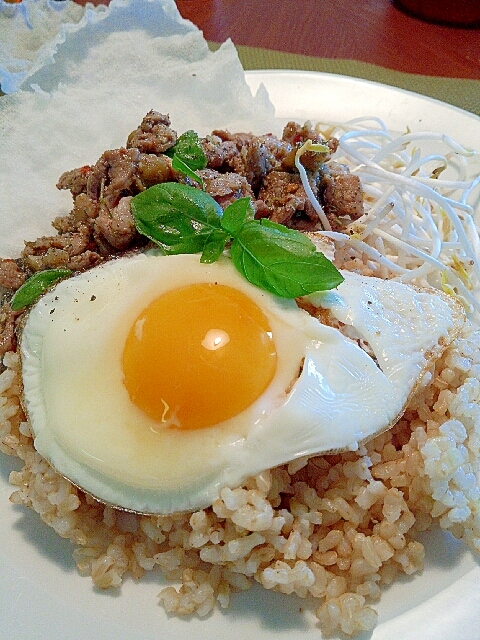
{"type": "Point", "coordinates": [251, 73]}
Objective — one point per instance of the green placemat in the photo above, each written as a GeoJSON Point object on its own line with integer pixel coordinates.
{"type": "Point", "coordinates": [461, 92]}
{"type": "Point", "coordinates": [457, 91]}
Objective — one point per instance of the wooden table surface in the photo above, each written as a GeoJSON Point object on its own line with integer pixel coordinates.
{"type": "Point", "coordinates": [373, 31]}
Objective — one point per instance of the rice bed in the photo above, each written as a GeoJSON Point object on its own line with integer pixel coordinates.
{"type": "Point", "coordinates": [333, 527]}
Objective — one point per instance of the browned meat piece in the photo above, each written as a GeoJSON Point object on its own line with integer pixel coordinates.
{"type": "Point", "coordinates": [279, 149]}
{"type": "Point", "coordinates": [83, 213]}
{"type": "Point", "coordinates": [153, 135]}
{"type": "Point", "coordinates": [261, 209]}
{"type": "Point", "coordinates": [220, 154]}
{"type": "Point", "coordinates": [341, 195]}
{"type": "Point", "coordinates": [258, 162]}
{"type": "Point", "coordinates": [75, 180]}
{"type": "Point", "coordinates": [116, 225]}
{"type": "Point", "coordinates": [8, 341]}
{"type": "Point", "coordinates": [250, 156]}
{"type": "Point", "coordinates": [53, 258]}
{"type": "Point", "coordinates": [153, 169]}
{"type": "Point", "coordinates": [225, 187]}
{"type": "Point", "coordinates": [239, 139]}
{"type": "Point", "coordinates": [332, 144]}
{"type": "Point", "coordinates": [73, 243]}
{"type": "Point", "coordinates": [84, 261]}
{"type": "Point", "coordinates": [55, 251]}
{"type": "Point", "coordinates": [287, 201]}
{"type": "Point", "coordinates": [296, 135]}
{"type": "Point", "coordinates": [11, 276]}
{"type": "Point", "coordinates": [70, 250]}
{"type": "Point", "coordinates": [276, 149]}
{"type": "Point", "coordinates": [118, 175]}
{"type": "Point", "coordinates": [114, 176]}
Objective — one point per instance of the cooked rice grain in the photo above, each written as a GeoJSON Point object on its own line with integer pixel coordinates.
{"type": "Point", "coordinates": [333, 527]}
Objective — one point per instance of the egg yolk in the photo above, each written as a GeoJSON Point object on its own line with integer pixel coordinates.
{"type": "Point", "coordinates": [198, 355]}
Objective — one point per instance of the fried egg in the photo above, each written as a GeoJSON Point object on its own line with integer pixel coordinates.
{"type": "Point", "coordinates": [152, 382]}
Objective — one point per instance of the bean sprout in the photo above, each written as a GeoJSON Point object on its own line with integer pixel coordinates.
{"type": "Point", "coordinates": [320, 148]}
{"type": "Point", "coordinates": [422, 208]}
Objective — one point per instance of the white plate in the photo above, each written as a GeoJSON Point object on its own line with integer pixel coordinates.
{"type": "Point", "coordinates": [305, 95]}
{"type": "Point", "coordinates": [42, 597]}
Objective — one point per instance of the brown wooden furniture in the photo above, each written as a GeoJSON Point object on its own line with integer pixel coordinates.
{"type": "Point", "coordinates": [373, 31]}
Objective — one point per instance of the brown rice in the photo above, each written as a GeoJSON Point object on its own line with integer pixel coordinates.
{"type": "Point", "coordinates": [334, 527]}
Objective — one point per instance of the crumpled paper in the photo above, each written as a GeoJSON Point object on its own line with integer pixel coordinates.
{"type": "Point", "coordinates": [95, 87]}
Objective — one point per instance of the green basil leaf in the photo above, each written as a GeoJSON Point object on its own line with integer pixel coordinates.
{"type": "Point", "coordinates": [290, 239]}
{"type": "Point", "coordinates": [189, 149]}
{"type": "Point", "coordinates": [179, 165]}
{"type": "Point", "coordinates": [35, 286]}
{"type": "Point", "coordinates": [178, 218]}
{"type": "Point", "coordinates": [214, 246]}
{"type": "Point", "coordinates": [236, 214]}
{"type": "Point", "coordinates": [188, 155]}
{"type": "Point", "coordinates": [181, 219]}
{"type": "Point", "coordinates": [260, 255]}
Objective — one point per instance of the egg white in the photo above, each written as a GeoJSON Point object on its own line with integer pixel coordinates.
{"type": "Point", "coordinates": [87, 427]}
{"type": "Point", "coordinates": [81, 413]}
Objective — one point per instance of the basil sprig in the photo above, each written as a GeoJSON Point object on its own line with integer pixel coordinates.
{"type": "Point", "coordinates": [182, 219]}
{"type": "Point", "coordinates": [286, 264]}
{"type": "Point", "coordinates": [188, 155]}
{"type": "Point", "coordinates": [35, 286]}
